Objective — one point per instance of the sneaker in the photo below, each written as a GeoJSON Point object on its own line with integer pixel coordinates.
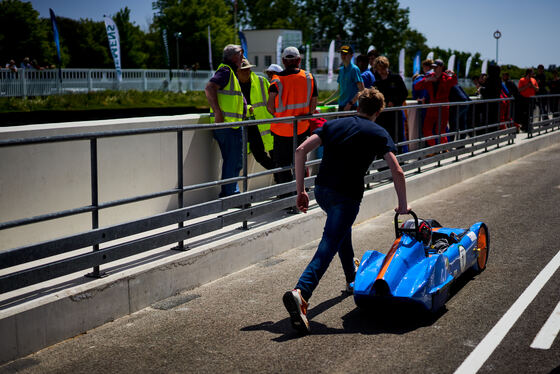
{"type": "Point", "coordinates": [297, 307]}
{"type": "Point", "coordinates": [350, 285]}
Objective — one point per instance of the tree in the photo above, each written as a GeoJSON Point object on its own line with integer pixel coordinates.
{"type": "Point", "coordinates": [192, 18]}
{"type": "Point", "coordinates": [23, 33]}
{"type": "Point", "coordinates": [132, 41]}
{"type": "Point", "coordinates": [85, 42]}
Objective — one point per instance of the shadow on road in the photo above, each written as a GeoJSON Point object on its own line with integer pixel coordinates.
{"type": "Point", "coordinates": [380, 320]}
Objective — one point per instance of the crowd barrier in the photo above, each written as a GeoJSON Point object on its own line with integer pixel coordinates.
{"type": "Point", "coordinates": [28, 82]}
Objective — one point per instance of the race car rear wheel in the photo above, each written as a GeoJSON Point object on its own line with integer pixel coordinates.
{"type": "Point", "coordinates": [482, 247]}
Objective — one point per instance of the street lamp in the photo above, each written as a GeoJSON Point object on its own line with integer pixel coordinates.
{"type": "Point", "coordinates": [178, 35]}
{"type": "Point", "coordinates": [497, 35]}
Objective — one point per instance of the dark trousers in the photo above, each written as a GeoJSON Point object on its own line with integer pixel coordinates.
{"type": "Point", "coordinates": [283, 155]}
{"type": "Point", "coordinates": [256, 147]}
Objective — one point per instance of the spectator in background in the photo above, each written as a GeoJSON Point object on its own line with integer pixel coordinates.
{"type": "Point", "coordinates": [513, 91]}
{"type": "Point", "coordinates": [427, 66]}
{"type": "Point", "coordinates": [394, 90]}
{"type": "Point", "coordinates": [458, 115]}
{"type": "Point", "coordinates": [12, 66]}
{"type": "Point", "coordinates": [349, 81]}
{"type": "Point", "coordinates": [255, 92]}
{"type": "Point", "coordinates": [541, 82]}
{"type": "Point", "coordinates": [554, 85]}
{"type": "Point", "coordinates": [372, 55]}
{"type": "Point", "coordinates": [367, 75]}
{"type": "Point", "coordinates": [292, 92]}
{"type": "Point", "coordinates": [528, 87]}
{"type": "Point", "coordinates": [26, 64]}
{"type": "Point", "coordinates": [272, 70]}
{"type": "Point", "coordinates": [228, 105]}
{"type": "Point", "coordinates": [438, 84]}
{"type": "Point", "coordinates": [491, 88]}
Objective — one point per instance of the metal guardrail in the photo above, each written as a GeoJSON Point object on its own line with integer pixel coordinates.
{"type": "Point", "coordinates": [216, 214]}
{"type": "Point", "coordinates": [30, 82]}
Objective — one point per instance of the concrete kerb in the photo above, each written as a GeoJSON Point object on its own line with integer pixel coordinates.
{"type": "Point", "coordinates": [33, 325]}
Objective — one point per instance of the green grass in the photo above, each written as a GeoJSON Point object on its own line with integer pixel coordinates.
{"type": "Point", "coordinates": [116, 100]}
{"type": "Point", "coordinates": [104, 100]}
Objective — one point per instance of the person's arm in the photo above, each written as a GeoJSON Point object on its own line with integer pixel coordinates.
{"type": "Point", "coordinates": [398, 181]}
{"type": "Point", "coordinates": [354, 100]}
{"type": "Point", "coordinates": [211, 91]}
{"type": "Point", "coordinates": [311, 143]}
{"type": "Point", "coordinates": [270, 106]}
{"type": "Point", "coordinates": [313, 104]}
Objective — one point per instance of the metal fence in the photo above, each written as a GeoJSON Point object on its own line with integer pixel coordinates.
{"type": "Point", "coordinates": [27, 82]}
{"type": "Point", "coordinates": [207, 217]}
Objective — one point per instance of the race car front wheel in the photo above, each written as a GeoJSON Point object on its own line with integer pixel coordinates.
{"type": "Point", "coordinates": [482, 247]}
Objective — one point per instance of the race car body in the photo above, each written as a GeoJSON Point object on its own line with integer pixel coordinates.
{"type": "Point", "coordinates": [422, 263]}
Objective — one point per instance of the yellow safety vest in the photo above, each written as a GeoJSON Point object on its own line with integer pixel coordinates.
{"type": "Point", "coordinates": [230, 99]}
{"type": "Point", "coordinates": [259, 98]}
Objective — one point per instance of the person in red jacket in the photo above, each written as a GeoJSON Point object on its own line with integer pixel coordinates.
{"type": "Point", "coordinates": [438, 84]}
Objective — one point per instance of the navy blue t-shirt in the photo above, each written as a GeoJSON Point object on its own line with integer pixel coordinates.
{"type": "Point", "coordinates": [350, 146]}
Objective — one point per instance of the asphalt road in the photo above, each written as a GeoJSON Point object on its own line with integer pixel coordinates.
{"type": "Point", "coordinates": [238, 323]}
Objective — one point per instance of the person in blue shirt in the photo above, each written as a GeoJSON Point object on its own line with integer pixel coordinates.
{"type": "Point", "coordinates": [349, 80]}
{"type": "Point", "coordinates": [367, 75]}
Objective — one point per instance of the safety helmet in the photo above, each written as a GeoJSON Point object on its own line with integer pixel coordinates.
{"type": "Point", "coordinates": [425, 232]}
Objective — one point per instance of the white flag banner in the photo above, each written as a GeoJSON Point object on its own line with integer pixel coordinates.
{"type": "Point", "coordinates": [331, 63]}
{"type": "Point", "coordinates": [210, 51]}
{"type": "Point", "coordinates": [401, 63]}
{"type": "Point", "coordinates": [484, 67]}
{"type": "Point", "coordinates": [279, 51]}
{"type": "Point", "coordinates": [370, 48]}
{"type": "Point", "coordinates": [469, 60]}
{"type": "Point", "coordinates": [430, 56]}
{"type": "Point", "coordinates": [114, 44]}
{"type": "Point", "coordinates": [308, 57]}
{"type": "Point", "coordinates": [451, 63]}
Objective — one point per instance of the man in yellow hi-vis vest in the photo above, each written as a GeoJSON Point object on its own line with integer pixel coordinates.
{"type": "Point", "coordinates": [228, 105]}
{"type": "Point", "coordinates": [255, 91]}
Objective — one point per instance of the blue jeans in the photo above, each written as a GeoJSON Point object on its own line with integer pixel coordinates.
{"type": "Point", "coordinates": [230, 142]}
{"type": "Point", "coordinates": [337, 237]}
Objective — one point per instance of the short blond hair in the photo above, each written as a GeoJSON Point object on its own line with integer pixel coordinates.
{"type": "Point", "coordinates": [371, 101]}
{"type": "Point", "coordinates": [381, 61]}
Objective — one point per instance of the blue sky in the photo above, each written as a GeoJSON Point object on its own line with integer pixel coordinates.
{"type": "Point", "coordinates": [530, 29]}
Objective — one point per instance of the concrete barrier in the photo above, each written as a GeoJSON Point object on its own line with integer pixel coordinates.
{"type": "Point", "coordinates": [29, 325]}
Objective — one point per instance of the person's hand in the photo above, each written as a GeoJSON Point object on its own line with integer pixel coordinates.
{"type": "Point", "coordinates": [390, 104]}
{"type": "Point", "coordinates": [348, 106]}
{"type": "Point", "coordinates": [403, 210]}
{"type": "Point", "coordinates": [219, 117]}
{"type": "Point", "coordinates": [302, 202]}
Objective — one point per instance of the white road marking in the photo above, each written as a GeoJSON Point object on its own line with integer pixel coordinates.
{"type": "Point", "coordinates": [549, 331]}
{"type": "Point", "coordinates": [484, 349]}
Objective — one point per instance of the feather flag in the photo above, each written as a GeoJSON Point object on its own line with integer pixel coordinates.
{"type": "Point", "coordinates": [114, 44]}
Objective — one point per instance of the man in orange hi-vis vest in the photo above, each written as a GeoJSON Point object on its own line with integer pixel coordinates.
{"type": "Point", "coordinates": [292, 92]}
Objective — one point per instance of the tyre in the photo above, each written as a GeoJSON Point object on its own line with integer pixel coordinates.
{"type": "Point", "coordinates": [482, 247]}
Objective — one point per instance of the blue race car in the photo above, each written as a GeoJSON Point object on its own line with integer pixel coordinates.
{"type": "Point", "coordinates": [422, 263]}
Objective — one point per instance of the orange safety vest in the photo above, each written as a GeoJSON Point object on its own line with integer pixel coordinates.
{"type": "Point", "coordinates": [294, 96]}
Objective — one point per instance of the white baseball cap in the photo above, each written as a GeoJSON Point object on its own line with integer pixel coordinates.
{"type": "Point", "coordinates": [291, 53]}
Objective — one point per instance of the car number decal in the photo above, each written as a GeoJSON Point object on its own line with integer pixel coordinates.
{"type": "Point", "coordinates": [472, 236]}
{"type": "Point", "coordinates": [462, 257]}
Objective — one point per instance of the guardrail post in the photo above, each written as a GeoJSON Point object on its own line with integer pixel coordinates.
{"type": "Point", "coordinates": [89, 81]}
{"type": "Point", "coordinates": [180, 195]}
{"type": "Point", "coordinates": [144, 80]}
{"type": "Point", "coordinates": [96, 273]}
{"type": "Point", "coordinates": [244, 158]}
{"type": "Point", "coordinates": [23, 83]}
